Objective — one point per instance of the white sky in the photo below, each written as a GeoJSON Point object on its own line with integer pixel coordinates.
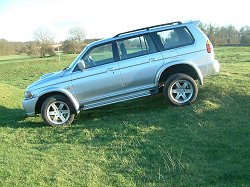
{"type": "Point", "coordinates": [105, 18]}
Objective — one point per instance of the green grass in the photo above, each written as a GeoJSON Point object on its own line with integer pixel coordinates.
{"type": "Point", "coordinates": [13, 58]}
{"type": "Point", "coordinates": [142, 142]}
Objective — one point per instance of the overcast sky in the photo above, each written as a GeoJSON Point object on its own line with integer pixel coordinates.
{"type": "Point", "coordinates": [104, 18]}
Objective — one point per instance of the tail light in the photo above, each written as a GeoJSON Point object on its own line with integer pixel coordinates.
{"type": "Point", "coordinates": [209, 46]}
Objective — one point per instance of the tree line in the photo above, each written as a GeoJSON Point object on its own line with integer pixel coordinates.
{"type": "Point", "coordinates": [43, 43]}
{"type": "Point", "coordinates": [226, 35]}
{"type": "Point", "coordinates": [10, 48]}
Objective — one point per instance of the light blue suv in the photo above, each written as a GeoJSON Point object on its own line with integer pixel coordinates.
{"type": "Point", "coordinates": [166, 58]}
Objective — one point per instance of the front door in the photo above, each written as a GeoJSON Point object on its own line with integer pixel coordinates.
{"type": "Point", "coordinates": [100, 78]}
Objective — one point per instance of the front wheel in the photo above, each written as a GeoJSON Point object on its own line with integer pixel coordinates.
{"type": "Point", "coordinates": [180, 89]}
{"type": "Point", "coordinates": [57, 110]}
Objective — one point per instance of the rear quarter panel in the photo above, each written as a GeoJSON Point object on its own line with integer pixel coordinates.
{"type": "Point", "coordinates": [197, 52]}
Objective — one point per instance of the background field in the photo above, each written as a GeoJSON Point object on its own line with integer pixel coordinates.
{"type": "Point", "coordinates": [143, 142]}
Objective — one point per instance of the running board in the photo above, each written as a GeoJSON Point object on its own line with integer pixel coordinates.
{"type": "Point", "coordinates": [117, 99]}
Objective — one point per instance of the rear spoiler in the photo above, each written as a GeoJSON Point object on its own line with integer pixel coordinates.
{"type": "Point", "coordinates": [196, 23]}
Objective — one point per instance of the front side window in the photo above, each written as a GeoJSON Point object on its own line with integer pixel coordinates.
{"type": "Point", "coordinates": [99, 55]}
{"type": "Point", "coordinates": [134, 47]}
{"type": "Point", "coordinates": [174, 38]}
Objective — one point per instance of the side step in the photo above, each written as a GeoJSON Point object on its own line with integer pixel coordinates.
{"type": "Point", "coordinates": [117, 99]}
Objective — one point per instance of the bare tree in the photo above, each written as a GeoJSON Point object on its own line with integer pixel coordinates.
{"type": "Point", "coordinates": [75, 42]}
{"type": "Point", "coordinates": [77, 34]}
{"type": "Point", "coordinates": [44, 36]}
{"type": "Point", "coordinates": [43, 43]}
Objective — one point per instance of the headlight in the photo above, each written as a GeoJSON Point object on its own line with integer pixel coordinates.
{"type": "Point", "coordinates": [28, 95]}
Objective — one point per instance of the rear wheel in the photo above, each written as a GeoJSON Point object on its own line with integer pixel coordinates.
{"type": "Point", "coordinates": [57, 111]}
{"type": "Point", "coordinates": [180, 89]}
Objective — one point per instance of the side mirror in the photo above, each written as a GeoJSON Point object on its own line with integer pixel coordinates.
{"type": "Point", "coordinates": [81, 65]}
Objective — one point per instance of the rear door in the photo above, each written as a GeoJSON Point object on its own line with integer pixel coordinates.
{"type": "Point", "coordinates": [101, 78]}
{"type": "Point", "coordinates": [139, 62]}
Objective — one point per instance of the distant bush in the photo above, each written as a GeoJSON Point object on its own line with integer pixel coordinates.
{"type": "Point", "coordinates": [72, 47]}
{"type": "Point", "coordinates": [38, 49]}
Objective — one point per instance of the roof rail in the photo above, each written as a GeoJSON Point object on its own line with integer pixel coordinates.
{"type": "Point", "coordinates": [147, 28]}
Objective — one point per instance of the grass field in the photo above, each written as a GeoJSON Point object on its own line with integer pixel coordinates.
{"type": "Point", "coordinates": [142, 142]}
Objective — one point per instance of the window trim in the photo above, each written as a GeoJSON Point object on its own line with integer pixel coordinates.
{"type": "Point", "coordinates": [113, 46]}
{"type": "Point", "coordinates": [161, 46]}
{"type": "Point", "coordinates": [136, 36]}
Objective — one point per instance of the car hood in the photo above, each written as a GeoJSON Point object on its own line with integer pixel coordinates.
{"type": "Point", "coordinates": [48, 80]}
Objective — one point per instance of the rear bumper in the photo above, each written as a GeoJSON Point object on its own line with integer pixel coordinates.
{"type": "Point", "coordinates": [29, 106]}
{"type": "Point", "coordinates": [213, 67]}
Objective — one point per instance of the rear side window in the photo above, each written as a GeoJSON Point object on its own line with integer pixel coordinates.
{"type": "Point", "coordinates": [174, 38]}
{"type": "Point", "coordinates": [136, 46]}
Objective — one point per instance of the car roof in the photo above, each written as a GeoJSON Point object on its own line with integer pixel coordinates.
{"type": "Point", "coordinates": [144, 30]}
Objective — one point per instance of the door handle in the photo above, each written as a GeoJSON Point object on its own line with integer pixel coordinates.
{"type": "Point", "coordinates": [152, 60]}
{"type": "Point", "coordinates": [111, 69]}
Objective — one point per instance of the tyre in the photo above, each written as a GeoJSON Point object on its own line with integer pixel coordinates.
{"type": "Point", "coordinates": [180, 89]}
{"type": "Point", "coordinates": [57, 111]}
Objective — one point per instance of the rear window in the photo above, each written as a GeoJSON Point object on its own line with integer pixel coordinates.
{"type": "Point", "coordinates": [177, 37]}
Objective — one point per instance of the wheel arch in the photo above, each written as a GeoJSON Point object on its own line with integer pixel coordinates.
{"type": "Point", "coordinates": [46, 94]}
{"type": "Point", "coordinates": [186, 67]}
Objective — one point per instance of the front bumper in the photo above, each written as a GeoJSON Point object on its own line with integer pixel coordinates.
{"type": "Point", "coordinates": [29, 106]}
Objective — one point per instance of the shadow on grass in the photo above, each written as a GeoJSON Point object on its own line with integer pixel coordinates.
{"type": "Point", "coordinates": [123, 109]}
{"type": "Point", "coordinates": [16, 118]}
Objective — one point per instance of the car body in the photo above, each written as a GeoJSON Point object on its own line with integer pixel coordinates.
{"type": "Point", "coordinates": [164, 58]}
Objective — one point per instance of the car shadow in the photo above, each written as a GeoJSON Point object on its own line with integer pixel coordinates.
{"type": "Point", "coordinates": [137, 106]}
{"type": "Point", "coordinates": [119, 112]}
{"type": "Point", "coordinates": [16, 118]}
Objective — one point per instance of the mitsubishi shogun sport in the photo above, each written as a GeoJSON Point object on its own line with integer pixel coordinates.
{"type": "Point", "coordinates": [170, 58]}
